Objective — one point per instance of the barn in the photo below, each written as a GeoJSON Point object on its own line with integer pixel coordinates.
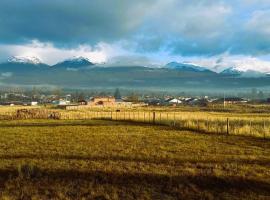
{"type": "Point", "coordinates": [102, 101]}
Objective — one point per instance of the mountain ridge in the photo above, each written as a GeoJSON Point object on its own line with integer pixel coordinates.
{"type": "Point", "coordinates": [19, 63]}
{"type": "Point", "coordinates": [76, 62]}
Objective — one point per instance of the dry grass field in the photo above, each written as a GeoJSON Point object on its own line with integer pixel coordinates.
{"type": "Point", "coordinates": [88, 159]}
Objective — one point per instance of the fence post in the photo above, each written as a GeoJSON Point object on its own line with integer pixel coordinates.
{"type": "Point", "coordinates": [227, 126]}
{"type": "Point", "coordinates": [264, 129]}
{"type": "Point", "coordinates": [207, 124]}
{"type": "Point", "coordinates": [154, 117]}
{"type": "Point", "coordinates": [174, 119]}
{"type": "Point", "coordinates": [144, 117]}
{"type": "Point", "coordinates": [250, 127]}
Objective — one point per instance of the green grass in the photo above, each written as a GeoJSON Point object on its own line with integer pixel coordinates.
{"type": "Point", "coordinates": [42, 159]}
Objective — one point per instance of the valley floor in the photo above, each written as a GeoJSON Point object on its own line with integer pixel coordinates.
{"type": "Point", "coordinates": [42, 159]}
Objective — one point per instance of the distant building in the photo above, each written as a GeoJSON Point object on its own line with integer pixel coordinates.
{"type": "Point", "coordinates": [34, 103]}
{"type": "Point", "coordinates": [61, 102]}
{"type": "Point", "coordinates": [82, 102]}
{"type": "Point", "coordinates": [233, 100]}
{"type": "Point", "coordinates": [102, 101]}
{"type": "Point", "coordinates": [174, 101]}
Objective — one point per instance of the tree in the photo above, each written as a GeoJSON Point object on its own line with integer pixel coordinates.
{"type": "Point", "coordinates": [261, 95]}
{"type": "Point", "coordinates": [133, 98]}
{"type": "Point", "coordinates": [57, 92]}
{"type": "Point", "coordinates": [254, 93]}
{"type": "Point", "coordinates": [117, 94]}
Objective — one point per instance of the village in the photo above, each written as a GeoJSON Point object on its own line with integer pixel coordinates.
{"type": "Point", "coordinates": [81, 101]}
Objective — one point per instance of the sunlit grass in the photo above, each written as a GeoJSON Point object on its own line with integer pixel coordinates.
{"type": "Point", "coordinates": [211, 121]}
{"type": "Point", "coordinates": [66, 159]}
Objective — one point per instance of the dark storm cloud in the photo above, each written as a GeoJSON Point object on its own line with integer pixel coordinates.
{"type": "Point", "coordinates": [185, 27]}
{"type": "Point", "coordinates": [62, 21]}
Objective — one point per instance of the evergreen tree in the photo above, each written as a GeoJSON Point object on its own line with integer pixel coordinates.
{"type": "Point", "coordinates": [117, 94]}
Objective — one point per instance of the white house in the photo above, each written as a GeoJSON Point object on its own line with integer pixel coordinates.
{"type": "Point", "coordinates": [61, 102]}
{"type": "Point", "coordinates": [174, 101]}
{"type": "Point", "coordinates": [34, 103]}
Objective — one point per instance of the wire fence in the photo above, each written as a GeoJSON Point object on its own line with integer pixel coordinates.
{"type": "Point", "coordinates": [232, 126]}
{"type": "Point", "coordinates": [259, 127]}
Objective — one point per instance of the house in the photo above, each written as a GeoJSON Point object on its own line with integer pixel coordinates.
{"type": "Point", "coordinates": [34, 103]}
{"type": "Point", "coordinates": [173, 101]}
{"type": "Point", "coordinates": [234, 100]}
{"type": "Point", "coordinates": [82, 102]}
{"type": "Point", "coordinates": [102, 101]}
{"type": "Point", "coordinates": [61, 102]}
{"type": "Point", "coordinates": [191, 101]}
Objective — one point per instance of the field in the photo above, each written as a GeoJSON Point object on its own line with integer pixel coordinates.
{"type": "Point", "coordinates": [95, 159]}
{"type": "Point", "coordinates": [248, 120]}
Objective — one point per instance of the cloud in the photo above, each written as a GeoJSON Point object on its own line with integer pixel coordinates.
{"type": "Point", "coordinates": [6, 74]}
{"type": "Point", "coordinates": [68, 21]}
{"type": "Point", "coordinates": [221, 62]}
{"type": "Point", "coordinates": [188, 18]}
{"type": "Point", "coordinates": [260, 23]}
{"type": "Point", "coordinates": [94, 28]}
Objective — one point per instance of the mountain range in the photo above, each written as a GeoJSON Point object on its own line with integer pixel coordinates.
{"type": "Point", "coordinates": [74, 63]}
{"type": "Point", "coordinates": [80, 72]}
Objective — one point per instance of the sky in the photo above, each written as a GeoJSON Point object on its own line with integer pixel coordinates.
{"type": "Point", "coordinates": [212, 33]}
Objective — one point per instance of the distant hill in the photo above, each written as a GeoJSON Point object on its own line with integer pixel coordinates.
{"type": "Point", "coordinates": [23, 65]}
{"type": "Point", "coordinates": [84, 74]}
{"type": "Point", "coordinates": [74, 63]}
{"type": "Point", "coordinates": [186, 67]}
{"type": "Point", "coordinates": [234, 71]}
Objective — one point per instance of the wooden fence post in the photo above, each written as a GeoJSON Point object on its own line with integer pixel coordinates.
{"type": "Point", "coordinates": [207, 124]}
{"type": "Point", "coordinates": [250, 127]}
{"type": "Point", "coordinates": [227, 126]}
{"type": "Point", "coordinates": [154, 117]}
{"type": "Point", "coordinates": [264, 129]}
{"type": "Point", "coordinates": [174, 119]}
{"type": "Point", "coordinates": [144, 117]}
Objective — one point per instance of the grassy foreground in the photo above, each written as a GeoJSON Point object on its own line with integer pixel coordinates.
{"type": "Point", "coordinates": [112, 160]}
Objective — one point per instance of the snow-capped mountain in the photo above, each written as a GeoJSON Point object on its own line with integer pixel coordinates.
{"type": "Point", "coordinates": [76, 62]}
{"type": "Point", "coordinates": [19, 64]}
{"type": "Point", "coordinates": [186, 67]}
{"type": "Point", "coordinates": [24, 60]}
{"type": "Point", "coordinates": [245, 73]}
{"type": "Point", "coordinates": [232, 71]}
